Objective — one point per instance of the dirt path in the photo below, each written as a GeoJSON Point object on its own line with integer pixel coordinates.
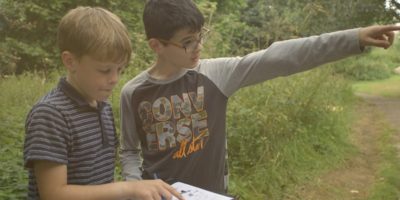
{"type": "Point", "coordinates": [354, 179]}
{"type": "Point", "coordinates": [390, 109]}
{"type": "Point", "coordinates": [388, 106]}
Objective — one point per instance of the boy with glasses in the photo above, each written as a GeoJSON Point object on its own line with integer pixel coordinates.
{"type": "Point", "coordinates": [174, 113]}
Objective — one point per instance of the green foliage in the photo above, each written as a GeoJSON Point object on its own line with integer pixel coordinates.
{"type": "Point", "coordinates": [389, 184]}
{"type": "Point", "coordinates": [378, 65]}
{"type": "Point", "coordinates": [342, 14]}
{"type": "Point", "coordinates": [384, 88]}
{"type": "Point", "coordinates": [28, 28]}
{"type": "Point", "coordinates": [394, 6]}
{"type": "Point", "coordinates": [364, 70]}
{"type": "Point", "coordinates": [28, 35]}
{"type": "Point", "coordinates": [18, 94]}
{"type": "Point", "coordinates": [267, 21]}
{"type": "Point", "coordinates": [288, 130]}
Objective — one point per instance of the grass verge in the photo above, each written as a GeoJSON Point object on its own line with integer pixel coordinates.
{"type": "Point", "coordinates": [387, 88]}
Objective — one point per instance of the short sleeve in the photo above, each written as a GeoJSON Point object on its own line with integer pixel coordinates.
{"type": "Point", "coordinates": [46, 136]}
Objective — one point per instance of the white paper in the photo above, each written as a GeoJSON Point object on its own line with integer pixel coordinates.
{"type": "Point", "coordinates": [190, 192]}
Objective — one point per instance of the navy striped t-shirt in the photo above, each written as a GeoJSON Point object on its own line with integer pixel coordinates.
{"type": "Point", "coordinates": [63, 128]}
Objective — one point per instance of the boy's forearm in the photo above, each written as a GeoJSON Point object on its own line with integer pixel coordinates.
{"type": "Point", "coordinates": [143, 190]}
{"type": "Point", "coordinates": [131, 162]}
{"type": "Point", "coordinates": [109, 191]}
{"type": "Point", "coordinates": [130, 146]}
{"type": "Point", "coordinates": [52, 184]}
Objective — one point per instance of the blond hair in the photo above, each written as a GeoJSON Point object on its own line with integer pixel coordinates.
{"type": "Point", "coordinates": [96, 32]}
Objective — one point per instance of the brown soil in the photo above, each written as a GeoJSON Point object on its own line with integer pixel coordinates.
{"type": "Point", "coordinates": [354, 179]}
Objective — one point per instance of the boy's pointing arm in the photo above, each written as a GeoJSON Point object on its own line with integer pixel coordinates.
{"type": "Point", "coordinates": [288, 57]}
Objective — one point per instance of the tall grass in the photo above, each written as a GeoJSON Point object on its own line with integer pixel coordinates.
{"type": "Point", "coordinates": [18, 94]}
{"type": "Point", "coordinates": [285, 131]}
{"type": "Point", "coordinates": [386, 88]}
{"type": "Point", "coordinates": [389, 183]}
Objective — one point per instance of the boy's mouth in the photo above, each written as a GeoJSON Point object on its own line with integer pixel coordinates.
{"type": "Point", "coordinates": [196, 57]}
{"type": "Point", "coordinates": [106, 90]}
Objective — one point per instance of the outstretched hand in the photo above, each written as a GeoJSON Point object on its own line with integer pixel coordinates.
{"type": "Point", "coordinates": [377, 35]}
{"type": "Point", "coordinates": [153, 190]}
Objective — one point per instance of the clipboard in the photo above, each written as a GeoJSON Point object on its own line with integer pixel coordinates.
{"type": "Point", "coordinates": [190, 192]}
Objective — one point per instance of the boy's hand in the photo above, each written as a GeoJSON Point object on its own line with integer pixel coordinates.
{"type": "Point", "coordinates": [153, 190]}
{"type": "Point", "coordinates": [378, 35]}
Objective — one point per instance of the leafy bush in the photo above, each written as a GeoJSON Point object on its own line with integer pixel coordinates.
{"type": "Point", "coordinates": [374, 64]}
{"type": "Point", "coordinates": [283, 131]}
{"type": "Point", "coordinates": [364, 69]}
{"type": "Point", "coordinates": [28, 30]}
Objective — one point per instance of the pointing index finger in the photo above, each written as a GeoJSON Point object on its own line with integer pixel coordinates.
{"type": "Point", "coordinates": [386, 28]}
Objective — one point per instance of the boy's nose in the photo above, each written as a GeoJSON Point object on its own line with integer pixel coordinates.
{"type": "Point", "coordinates": [199, 47]}
{"type": "Point", "coordinates": [113, 79]}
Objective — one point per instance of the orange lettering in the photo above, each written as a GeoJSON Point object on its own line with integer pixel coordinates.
{"type": "Point", "coordinates": [181, 153]}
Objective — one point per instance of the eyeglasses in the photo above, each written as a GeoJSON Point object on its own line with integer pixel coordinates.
{"type": "Point", "coordinates": [191, 44]}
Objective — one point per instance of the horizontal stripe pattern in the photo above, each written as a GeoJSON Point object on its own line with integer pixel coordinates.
{"type": "Point", "coordinates": [60, 129]}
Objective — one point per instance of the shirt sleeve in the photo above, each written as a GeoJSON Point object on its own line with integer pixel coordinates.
{"type": "Point", "coordinates": [130, 144]}
{"type": "Point", "coordinates": [46, 136]}
{"type": "Point", "coordinates": [280, 59]}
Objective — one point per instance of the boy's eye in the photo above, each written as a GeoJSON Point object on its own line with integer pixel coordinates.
{"type": "Point", "coordinates": [106, 71]}
{"type": "Point", "coordinates": [187, 43]}
{"type": "Point", "coordinates": [121, 70]}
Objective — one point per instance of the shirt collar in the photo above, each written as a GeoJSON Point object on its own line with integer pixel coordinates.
{"type": "Point", "coordinates": [72, 93]}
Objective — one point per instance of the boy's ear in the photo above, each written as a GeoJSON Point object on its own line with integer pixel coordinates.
{"type": "Point", "coordinates": [155, 45]}
{"type": "Point", "coordinates": [68, 60]}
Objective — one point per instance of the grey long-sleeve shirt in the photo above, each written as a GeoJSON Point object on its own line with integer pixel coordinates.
{"type": "Point", "coordinates": [179, 125]}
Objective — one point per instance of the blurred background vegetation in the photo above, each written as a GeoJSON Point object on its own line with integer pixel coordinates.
{"type": "Point", "coordinates": [28, 28]}
{"type": "Point", "coordinates": [290, 129]}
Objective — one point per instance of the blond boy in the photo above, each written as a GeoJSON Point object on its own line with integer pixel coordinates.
{"type": "Point", "coordinates": [70, 143]}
